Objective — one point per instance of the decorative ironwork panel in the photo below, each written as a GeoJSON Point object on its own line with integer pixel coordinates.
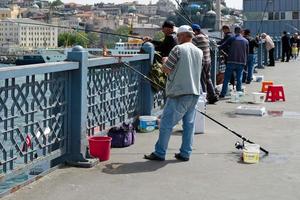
{"type": "Point", "coordinates": [113, 96]}
{"type": "Point", "coordinates": [32, 119]}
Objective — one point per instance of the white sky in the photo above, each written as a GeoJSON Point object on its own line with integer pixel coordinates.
{"type": "Point", "coordinates": [230, 3]}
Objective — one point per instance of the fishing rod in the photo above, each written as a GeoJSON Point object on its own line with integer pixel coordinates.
{"type": "Point", "coordinates": [262, 18]}
{"type": "Point", "coordinates": [212, 119]}
{"type": "Point", "coordinates": [77, 28]}
{"type": "Point", "coordinates": [186, 15]}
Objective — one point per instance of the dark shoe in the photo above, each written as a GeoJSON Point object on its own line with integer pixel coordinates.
{"type": "Point", "coordinates": [213, 100]}
{"type": "Point", "coordinates": [221, 97]}
{"type": "Point", "coordinates": [255, 71]}
{"type": "Point", "coordinates": [181, 158]}
{"type": "Point", "coordinates": [248, 82]}
{"type": "Point", "coordinates": [271, 65]}
{"type": "Point", "coordinates": [152, 156]}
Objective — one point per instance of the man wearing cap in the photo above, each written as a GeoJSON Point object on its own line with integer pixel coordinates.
{"type": "Point", "coordinates": [202, 42]}
{"type": "Point", "coordinates": [237, 59]}
{"type": "Point", "coordinates": [270, 46]}
{"type": "Point", "coordinates": [182, 90]}
{"type": "Point", "coordinates": [170, 40]}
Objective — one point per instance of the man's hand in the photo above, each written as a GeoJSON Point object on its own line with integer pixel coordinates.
{"type": "Point", "coordinates": [164, 60]}
{"type": "Point", "coordinates": [147, 39]}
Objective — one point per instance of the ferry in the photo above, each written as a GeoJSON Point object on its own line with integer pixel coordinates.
{"type": "Point", "coordinates": [132, 47]}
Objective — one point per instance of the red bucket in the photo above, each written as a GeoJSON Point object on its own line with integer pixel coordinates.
{"type": "Point", "coordinates": [100, 147]}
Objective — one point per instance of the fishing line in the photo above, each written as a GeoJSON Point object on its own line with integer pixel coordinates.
{"type": "Point", "coordinates": [212, 119]}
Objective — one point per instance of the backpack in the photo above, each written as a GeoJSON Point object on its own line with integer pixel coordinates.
{"type": "Point", "coordinates": [122, 136]}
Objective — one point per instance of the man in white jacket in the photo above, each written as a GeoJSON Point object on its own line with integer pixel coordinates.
{"type": "Point", "coordinates": [270, 46]}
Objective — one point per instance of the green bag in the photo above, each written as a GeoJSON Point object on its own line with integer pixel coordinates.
{"type": "Point", "coordinates": [157, 76]}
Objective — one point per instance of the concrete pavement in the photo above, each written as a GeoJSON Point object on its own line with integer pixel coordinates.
{"type": "Point", "coordinates": [214, 171]}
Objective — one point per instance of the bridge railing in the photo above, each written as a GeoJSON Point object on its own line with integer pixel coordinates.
{"type": "Point", "coordinates": [47, 111]}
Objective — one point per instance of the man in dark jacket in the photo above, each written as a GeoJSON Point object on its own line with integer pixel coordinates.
{"type": "Point", "coordinates": [164, 47]}
{"type": "Point", "coordinates": [250, 60]}
{"type": "Point", "coordinates": [227, 34]}
{"type": "Point", "coordinates": [286, 47]}
{"type": "Point", "coordinates": [237, 59]}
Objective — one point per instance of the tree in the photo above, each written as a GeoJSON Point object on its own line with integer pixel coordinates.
{"type": "Point", "coordinates": [94, 39]}
{"type": "Point", "coordinates": [56, 3]}
{"type": "Point", "coordinates": [73, 38]}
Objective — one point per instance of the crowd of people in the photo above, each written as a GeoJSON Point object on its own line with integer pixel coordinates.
{"type": "Point", "coordinates": [186, 59]}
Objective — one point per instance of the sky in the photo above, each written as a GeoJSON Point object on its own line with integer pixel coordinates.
{"type": "Point", "coordinates": [230, 3]}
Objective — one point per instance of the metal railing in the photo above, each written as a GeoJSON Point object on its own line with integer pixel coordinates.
{"type": "Point", "coordinates": [47, 111]}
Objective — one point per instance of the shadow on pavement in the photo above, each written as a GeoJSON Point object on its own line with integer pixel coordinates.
{"type": "Point", "coordinates": [135, 167]}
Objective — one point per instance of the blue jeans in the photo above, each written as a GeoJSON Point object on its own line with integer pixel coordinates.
{"type": "Point", "coordinates": [182, 107]}
{"type": "Point", "coordinates": [230, 68]}
{"type": "Point", "coordinates": [250, 67]}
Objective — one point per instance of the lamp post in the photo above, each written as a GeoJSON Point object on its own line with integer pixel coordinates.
{"type": "Point", "coordinates": [218, 15]}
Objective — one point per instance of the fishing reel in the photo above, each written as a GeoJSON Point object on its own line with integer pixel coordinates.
{"type": "Point", "coordinates": [239, 145]}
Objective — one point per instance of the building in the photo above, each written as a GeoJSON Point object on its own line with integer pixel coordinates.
{"type": "Point", "coordinates": [12, 12]}
{"type": "Point", "coordinates": [25, 35]}
{"type": "Point", "coordinates": [279, 16]}
{"type": "Point", "coordinates": [148, 10]}
{"type": "Point", "coordinates": [146, 29]}
{"type": "Point", "coordinates": [165, 7]}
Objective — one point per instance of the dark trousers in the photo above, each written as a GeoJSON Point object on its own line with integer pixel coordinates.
{"type": "Point", "coordinates": [271, 57]}
{"type": "Point", "coordinates": [206, 83]}
{"type": "Point", "coordinates": [285, 53]}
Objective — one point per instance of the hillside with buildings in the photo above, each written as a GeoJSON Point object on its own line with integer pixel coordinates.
{"type": "Point", "coordinates": [23, 23]}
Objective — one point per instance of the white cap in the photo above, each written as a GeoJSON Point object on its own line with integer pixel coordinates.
{"type": "Point", "coordinates": [185, 29]}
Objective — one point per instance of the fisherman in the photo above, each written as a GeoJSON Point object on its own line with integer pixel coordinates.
{"type": "Point", "coordinates": [270, 46]}
{"type": "Point", "coordinates": [183, 90]}
{"type": "Point", "coordinates": [237, 59]}
{"type": "Point", "coordinates": [253, 43]}
{"type": "Point", "coordinates": [227, 34]}
{"type": "Point", "coordinates": [286, 47]}
{"type": "Point", "coordinates": [164, 47]}
{"type": "Point", "coordinates": [201, 41]}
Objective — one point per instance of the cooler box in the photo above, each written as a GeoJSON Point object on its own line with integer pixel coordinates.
{"type": "Point", "coordinates": [200, 119]}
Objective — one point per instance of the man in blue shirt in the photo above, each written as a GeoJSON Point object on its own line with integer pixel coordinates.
{"type": "Point", "coordinates": [236, 60]}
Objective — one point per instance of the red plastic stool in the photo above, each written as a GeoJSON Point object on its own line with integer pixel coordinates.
{"type": "Point", "coordinates": [275, 93]}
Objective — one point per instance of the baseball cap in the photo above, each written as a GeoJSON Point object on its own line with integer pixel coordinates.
{"type": "Point", "coordinates": [185, 29]}
{"type": "Point", "coordinates": [196, 27]}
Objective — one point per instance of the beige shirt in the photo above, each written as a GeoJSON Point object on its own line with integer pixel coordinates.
{"type": "Point", "coordinates": [269, 43]}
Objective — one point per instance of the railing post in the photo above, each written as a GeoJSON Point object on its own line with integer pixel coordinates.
{"type": "Point", "coordinates": [259, 56]}
{"type": "Point", "coordinates": [279, 48]}
{"type": "Point", "coordinates": [78, 110]}
{"type": "Point", "coordinates": [276, 48]}
{"type": "Point", "coordinates": [214, 65]}
{"type": "Point", "coordinates": [265, 58]}
{"type": "Point", "coordinates": [146, 90]}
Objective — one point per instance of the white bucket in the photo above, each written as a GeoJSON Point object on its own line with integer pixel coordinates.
{"type": "Point", "coordinates": [259, 78]}
{"type": "Point", "coordinates": [200, 119]}
{"type": "Point", "coordinates": [258, 97]}
{"type": "Point", "coordinates": [147, 123]}
{"type": "Point", "coordinates": [251, 153]}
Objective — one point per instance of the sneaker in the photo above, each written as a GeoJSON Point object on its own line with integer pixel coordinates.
{"type": "Point", "coordinates": [154, 157]}
{"type": "Point", "coordinates": [213, 100]}
{"type": "Point", "coordinates": [181, 158]}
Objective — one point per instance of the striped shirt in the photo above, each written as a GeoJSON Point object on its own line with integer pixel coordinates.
{"type": "Point", "coordinates": [202, 42]}
{"type": "Point", "coordinates": [173, 58]}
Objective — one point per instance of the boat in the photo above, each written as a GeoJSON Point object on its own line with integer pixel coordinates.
{"type": "Point", "coordinates": [42, 56]}
{"type": "Point", "coordinates": [132, 47]}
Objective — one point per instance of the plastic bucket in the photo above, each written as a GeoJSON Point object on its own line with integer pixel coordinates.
{"type": "Point", "coordinates": [251, 153]}
{"type": "Point", "coordinates": [147, 123]}
{"type": "Point", "coordinates": [100, 147]}
{"type": "Point", "coordinates": [258, 97]}
{"type": "Point", "coordinates": [259, 78]}
{"type": "Point", "coordinates": [199, 118]}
